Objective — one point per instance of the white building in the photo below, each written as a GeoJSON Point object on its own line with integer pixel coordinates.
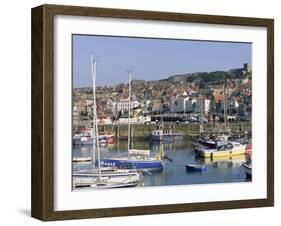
{"type": "Point", "coordinates": [181, 104]}
{"type": "Point", "coordinates": [198, 105]}
{"type": "Point", "coordinates": [207, 106]}
{"type": "Point", "coordinates": [123, 105]}
{"type": "Point", "coordinates": [185, 104]}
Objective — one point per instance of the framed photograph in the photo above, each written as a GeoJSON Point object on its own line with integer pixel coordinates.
{"type": "Point", "coordinates": [141, 112]}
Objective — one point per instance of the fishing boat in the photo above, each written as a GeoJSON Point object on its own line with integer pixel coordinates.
{"type": "Point", "coordinates": [162, 135]}
{"type": "Point", "coordinates": [248, 167]}
{"type": "Point", "coordinates": [211, 142]}
{"type": "Point", "coordinates": [100, 177]}
{"type": "Point", "coordinates": [225, 162]}
{"type": "Point", "coordinates": [195, 168]}
{"type": "Point", "coordinates": [207, 142]}
{"type": "Point", "coordinates": [235, 160]}
{"type": "Point", "coordinates": [136, 159]}
{"type": "Point", "coordinates": [225, 150]}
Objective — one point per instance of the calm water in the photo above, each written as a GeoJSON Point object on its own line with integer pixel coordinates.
{"type": "Point", "coordinates": [220, 170]}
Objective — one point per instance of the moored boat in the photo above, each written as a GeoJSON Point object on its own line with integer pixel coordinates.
{"type": "Point", "coordinates": [209, 143]}
{"type": "Point", "coordinates": [100, 177]}
{"type": "Point", "coordinates": [86, 138]}
{"type": "Point", "coordinates": [136, 159]}
{"type": "Point", "coordinates": [229, 149]}
{"type": "Point", "coordinates": [148, 164]}
{"type": "Point", "coordinates": [195, 167]}
{"type": "Point", "coordinates": [162, 135]}
{"type": "Point", "coordinates": [110, 177]}
{"type": "Point", "coordinates": [212, 142]}
{"type": "Point", "coordinates": [248, 148]}
{"type": "Point", "coordinates": [248, 167]}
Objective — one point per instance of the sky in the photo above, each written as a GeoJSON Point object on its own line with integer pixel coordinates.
{"type": "Point", "coordinates": [151, 59]}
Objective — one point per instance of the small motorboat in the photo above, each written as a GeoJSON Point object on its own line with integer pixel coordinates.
{"type": "Point", "coordinates": [195, 167]}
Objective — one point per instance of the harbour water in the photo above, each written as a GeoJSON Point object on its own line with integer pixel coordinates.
{"type": "Point", "coordinates": [219, 170]}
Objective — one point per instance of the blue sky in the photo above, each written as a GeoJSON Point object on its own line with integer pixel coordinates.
{"type": "Point", "coordinates": [151, 59]}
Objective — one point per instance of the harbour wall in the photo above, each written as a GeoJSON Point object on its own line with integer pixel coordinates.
{"type": "Point", "coordinates": [142, 131]}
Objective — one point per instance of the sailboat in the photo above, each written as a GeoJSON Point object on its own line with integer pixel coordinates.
{"type": "Point", "coordinates": [100, 177]}
{"type": "Point", "coordinates": [212, 142]}
{"type": "Point", "coordinates": [136, 159]}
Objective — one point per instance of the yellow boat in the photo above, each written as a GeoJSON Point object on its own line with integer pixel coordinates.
{"type": "Point", "coordinates": [233, 159]}
{"type": "Point", "coordinates": [228, 150]}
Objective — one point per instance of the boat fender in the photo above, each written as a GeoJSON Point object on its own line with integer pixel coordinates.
{"type": "Point", "coordinates": [212, 154]}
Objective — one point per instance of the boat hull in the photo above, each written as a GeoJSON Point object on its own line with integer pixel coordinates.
{"type": "Point", "coordinates": [207, 144]}
{"type": "Point", "coordinates": [149, 165]}
{"type": "Point", "coordinates": [248, 170]}
{"type": "Point", "coordinates": [88, 141]}
{"type": "Point", "coordinates": [105, 186]}
{"type": "Point", "coordinates": [213, 153]}
{"type": "Point", "coordinates": [194, 168]}
{"type": "Point", "coordinates": [166, 138]}
{"type": "Point", "coordinates": [79, 141]}
{"type": "Point", "coordinates": [110, 178]}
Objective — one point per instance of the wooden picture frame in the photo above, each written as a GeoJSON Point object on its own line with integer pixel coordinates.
{"type": "Point", "coordinates": [42, 203]}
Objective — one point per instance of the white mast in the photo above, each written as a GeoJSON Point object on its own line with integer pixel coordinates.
{"type": "Point", "coordinates": [129, 111]}
{"type": "Point", "coordinates": [202, 122]}
{"type": "Point", "coordinates": [94, 132]}
{"type": "Point", "coordinates": [94, 71]}
{"type": "Point", "coordinates": [225, 103]}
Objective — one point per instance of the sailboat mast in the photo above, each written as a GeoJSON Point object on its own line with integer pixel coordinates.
{"type": "Point", "coordinates": [202, 121]}
{"type": "Point", "coordinates": [94, 132]}
{"type": "Point", "coordinates": [129, 112]}
{"type": "Point", "coordinates": [224, 103]}
{"type": "Point", "coordinates": [95, 116]}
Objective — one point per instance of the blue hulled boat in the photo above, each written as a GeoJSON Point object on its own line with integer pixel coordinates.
{"type": "Point", "coordinates": [150, 164]}
{"type": "Point", "coordinates": [195, 168]}
{"type": "Point", "coordinates": [136, 159]}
